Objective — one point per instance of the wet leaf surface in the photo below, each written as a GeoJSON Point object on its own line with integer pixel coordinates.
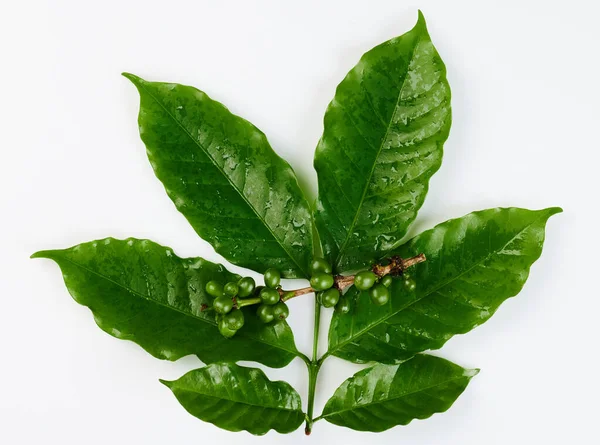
{"type": "Point", "coordinates": [383, 396]}
{"type": "Point", "coordinates": [143, 292]}
{"type": "Point", "coordinates": [383, 138]}
{"type": "Point", "coordinates": [223, 175]}
{"type": "Point", "coordinates": [237, 398]}
{"type": "Point", "coordinates": [474, 264]}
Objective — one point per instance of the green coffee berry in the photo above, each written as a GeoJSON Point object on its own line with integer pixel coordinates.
{"type": "Point", "coordinates": [234, 319]}
{"type": "Point", "coordinates": [410, 284]}
{"type": "Point", "coordinates": [272, 278]}
{"type": "Point", "coordinates": [321, 281]}
{"type": "Point", "coordinates": [265, 313]}
{"type": "Point", "coordinates": [223, 304]}
{"type": "Point", "coordinates": [380, 294]}
{"type": "Point", "coordinates": [330, 297]}
{"type": "Point", "coordinates": [319, 265]}
{"type": "Point", "coordinates": [214, 288]}
{"type": "Point", "coordinates": [269, 296]}
{"type": "Point", "coordinates": [281, 311]}
{"type": "Point", "coordinates": [387, 280]}
{"type": "Point", "coordinates": [365, 280]}
{"type": "Point", "coordinates": [343, 306]}
{"type": "Point", "coordinates": [246, 286]}
{"type": "Point", "coordinates": [231, 289]}
{"type": "Point", "coordinates": [225, 330]}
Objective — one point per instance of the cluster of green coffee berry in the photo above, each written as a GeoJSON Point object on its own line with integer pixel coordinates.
{"type": "Point", "coordinates": [378, 287]}
{"type": "Point", "coordinates": [231, 297]}
{"type": "Point", "coordinates": [228, 314]}
{"type": "Point", "coordinates": [322, 281]}
{"type": "Point", "coordinates": [272, 307]}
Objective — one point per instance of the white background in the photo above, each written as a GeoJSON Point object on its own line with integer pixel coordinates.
{"type": "Point", "coordinates": [524, 76]}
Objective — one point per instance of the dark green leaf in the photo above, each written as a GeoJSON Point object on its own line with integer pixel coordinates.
{"type": "Point", "coordinates": [221, 173]}
{"type": "Point", "coordinates": [378, 398]}
{"type": "Point", "coordinates": [141, 291]}
{"type": "Point", "coordinates": [474, 263]}
{"type": "Point", "coordinates": [237, 398]}
{"type": "Point", "coordinates": [383, 138]}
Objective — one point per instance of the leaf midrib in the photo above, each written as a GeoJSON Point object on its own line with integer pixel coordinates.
{"type": "Point", "coordinates": [324, 416]}
{"type": "Point", "coordinates": [383, 141]}
{"type": "Point", "coordinates": [188, 314]}
{"type": "Point", "coordinates": [194, 391]}
{"type": "Point", "coordinates": [384, 319]}
{"type": "Point", "coordinates": [218, 167]}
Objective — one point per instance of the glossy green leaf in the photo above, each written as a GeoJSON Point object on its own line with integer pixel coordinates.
{"type": "Point", "coordinates": [474, 263]}
{"type": "Point", "coordinates": [141, 291]}
{"type": "Point", "coordinates": [383, 138]}
{"type": "Point", "coordinates": [221, 173]}
{"type": "Point", "coordinates": [381, 397]}
{"type": "Point", "coordinates": [237, 398]}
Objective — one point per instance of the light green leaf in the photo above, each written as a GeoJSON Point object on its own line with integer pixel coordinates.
{"type": "Point", "coordinates": [222, 174]}
{"type": "Point", "coordinates": [474, 264]}
{"type": "Point", "coordinates": [381, 397]}
{"type": "Point", "coordinates": [237, 398]}
{"type": "Point", "coordinates": [141, 291]}
{"type": "Point", "coordinates": [383, 138]}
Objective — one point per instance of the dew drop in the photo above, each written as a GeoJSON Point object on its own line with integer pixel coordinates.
{"type": "Point", "coordinates": [298, 224]}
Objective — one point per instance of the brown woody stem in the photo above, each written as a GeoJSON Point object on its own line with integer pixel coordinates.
{"type": "Point", "coordinates": [396, 266]}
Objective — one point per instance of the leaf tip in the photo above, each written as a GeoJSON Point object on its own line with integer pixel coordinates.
{"type": "Point", "coordinates": [470, 373]}
{"type": "Point", "coordinates": [548, 212]}
{"type": "Point", "coordinates": [136, 80]}
{"type": "Point", "coordinates": [421, 25]}
{"type": "Point", "coordinates": [554, 210]}
{"type": "Point", "coordinates": [41, 254]}
{"type": "Point", "coordinates": [167, 383]}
